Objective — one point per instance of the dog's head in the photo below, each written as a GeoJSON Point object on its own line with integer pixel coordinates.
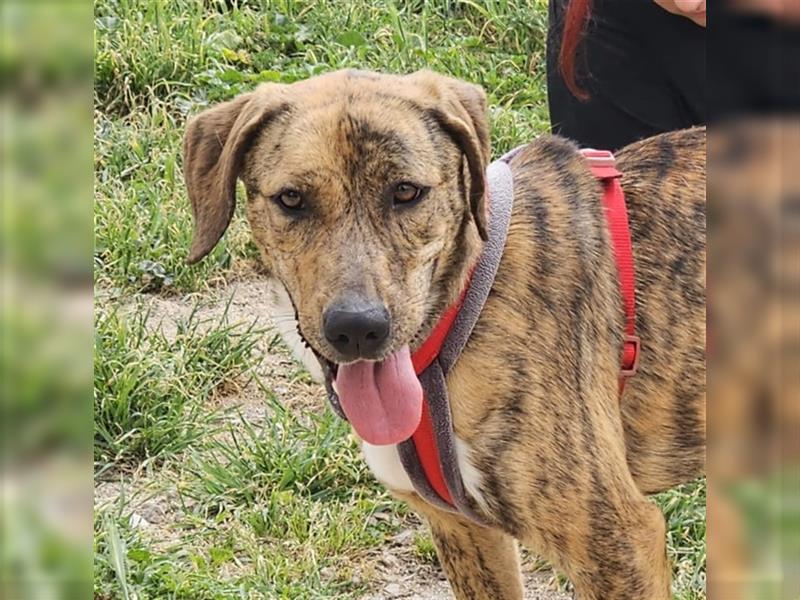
{"type": "Point", "coordinates": [365, 196]}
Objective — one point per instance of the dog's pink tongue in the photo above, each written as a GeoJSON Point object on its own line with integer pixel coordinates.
{"type": "Point", "coordinates": [382, 400]}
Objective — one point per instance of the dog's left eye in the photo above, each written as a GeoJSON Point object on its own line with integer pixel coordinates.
{"type": "Point", "coordinates": [405, 193]}
{"type": "Point", "coordinates": [290, 200]}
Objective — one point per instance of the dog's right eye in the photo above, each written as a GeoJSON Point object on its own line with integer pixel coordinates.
{"type": "Point", "coordinates": [290, 200]}
{"type": "Point", "coordinates": [406, 194]}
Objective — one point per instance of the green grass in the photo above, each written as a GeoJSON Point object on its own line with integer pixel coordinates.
{"type": "Point", "coordinates": [282, 510]}
{"type": "Point", "coordinates": [278, 506]}
{"type": "Point", "coordinates": [684, 509]}
{"type": "Point", "coordinates": [152, 390]}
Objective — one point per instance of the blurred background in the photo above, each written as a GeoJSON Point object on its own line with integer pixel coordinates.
{"type": "Point", "coordinates": [754, 279]}
{"type": "Point", "coordinates": [754, 316]}
{"type": "Point", "coordinates": [46, 322]}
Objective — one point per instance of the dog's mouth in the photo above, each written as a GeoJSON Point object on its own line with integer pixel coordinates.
{"type": "Point", "coordinates": [329, 371]}
{"type": "Point", "coordinates": [381, 399]}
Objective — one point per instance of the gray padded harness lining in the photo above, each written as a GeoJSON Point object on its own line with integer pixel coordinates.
{"type": "Point", "coordinates": [433, 379]}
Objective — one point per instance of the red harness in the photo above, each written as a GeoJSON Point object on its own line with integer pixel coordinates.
{"type": "Point", "coordinates": [424, 438]}
{"type": "Point", "coordinates": [603, 167]}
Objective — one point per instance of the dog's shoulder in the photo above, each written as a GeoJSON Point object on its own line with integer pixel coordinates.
{"type": "Point", "coordinates": [678, 156]}
{"type": "Point", "coordinates": [546, 151]}
{"type": "Point", "coordinates": [551, 170]}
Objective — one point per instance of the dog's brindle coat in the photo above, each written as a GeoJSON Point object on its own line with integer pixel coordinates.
{"type": "Point", "coordinates": [564, 462]}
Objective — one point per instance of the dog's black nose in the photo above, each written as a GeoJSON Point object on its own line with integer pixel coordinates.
{"type": "Point", "coordinates": [356, 328]}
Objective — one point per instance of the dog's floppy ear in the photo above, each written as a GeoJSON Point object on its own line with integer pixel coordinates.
{"type": "Point", "coordinates": [214, 145]}
{"type": "Point", "coordinates": [460, 109]}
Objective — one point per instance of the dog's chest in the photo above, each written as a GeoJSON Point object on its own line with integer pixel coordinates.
{"type": "Point", "coordinates": [384, 462]}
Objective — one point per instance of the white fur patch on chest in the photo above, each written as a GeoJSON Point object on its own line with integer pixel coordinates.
{"type": "Point", "coordinates": [470, 476]}
{"type": "Point", "coordinates": [384, 462]}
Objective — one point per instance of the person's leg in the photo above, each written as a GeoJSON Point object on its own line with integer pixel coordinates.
{"type": "Point", "coordinates": [643, 67]}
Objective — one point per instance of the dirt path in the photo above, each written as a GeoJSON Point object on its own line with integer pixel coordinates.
{"type": "Point", "coordinates": [430, 586]}
{"type": "Point", "coordinates": [399, 573]}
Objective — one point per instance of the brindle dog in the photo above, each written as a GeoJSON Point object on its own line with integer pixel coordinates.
{"type": "Point", "coordinates": [366, 198]}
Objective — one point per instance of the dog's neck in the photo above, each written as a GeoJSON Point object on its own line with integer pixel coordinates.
{"type": "Point", "coordinates": [451, 281]}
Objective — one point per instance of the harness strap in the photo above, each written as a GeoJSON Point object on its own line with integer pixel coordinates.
{"type": "Point", "coordinates": [603, 166]}
{"type": "Point", "coordinates": [501, 184]}
{"type": "Point", "coordinates": [429, 457]}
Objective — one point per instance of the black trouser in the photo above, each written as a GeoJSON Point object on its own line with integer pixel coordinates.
{"type": "Point", "coordinates": [644, 68]}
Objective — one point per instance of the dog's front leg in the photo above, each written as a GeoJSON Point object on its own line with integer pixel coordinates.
{"type": "Point", "coordinates": [479, 562]}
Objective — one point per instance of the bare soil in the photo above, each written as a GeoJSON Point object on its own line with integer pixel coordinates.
{"type": "Point", "coordinates": [414, 583]}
